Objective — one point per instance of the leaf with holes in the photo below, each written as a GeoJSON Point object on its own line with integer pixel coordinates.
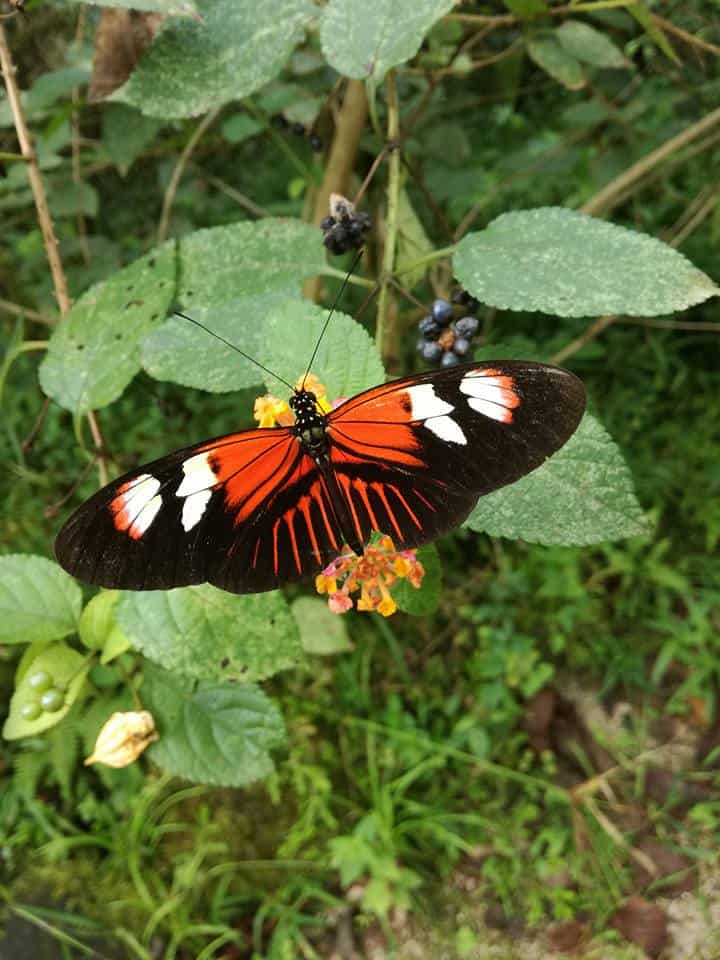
{"type": "Point", "coordinates": [366, 39]}
{"type": "Point", "coordinates": [566, 263]}
{"type": "Point", "coordinates": [217, 733]}
{"type": "Point", "coordinates": [207, 633]}
{"type": "Point", "coordinates": [39, 602]}
{"type": "Point", "coordinates": [321, 632]}
{"type": "Point", "coordinates": [172, 351]}
{"type": "Point", "coordinates": [581, 495]}
{"type": "Point", "coordinates": [347, 360]}
{"type": "Point", "coordinates": [67, 669]}
{"type": "Point", "coordinates": [222, 263]}
{"type": "Point", "coordinates": [94, 351]}
{"type": "Point", "coordinates": [232, 49]}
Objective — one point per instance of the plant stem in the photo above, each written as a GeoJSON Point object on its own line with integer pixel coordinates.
{"type": "Point", "coordinates": [36, 183]}
{"type": "Point", "coordinates": [428, 258]}
{"type": "Point", "coordinates": [386, 330]}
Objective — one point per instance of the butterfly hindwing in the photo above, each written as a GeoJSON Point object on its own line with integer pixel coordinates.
{"type": "Point", "coordinates": [414, 455]}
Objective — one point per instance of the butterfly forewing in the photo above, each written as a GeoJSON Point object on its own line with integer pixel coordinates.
{"type": "Point", "coordinates": [414, 455]}
{"type": "Point", "coordinates": [252, 510]}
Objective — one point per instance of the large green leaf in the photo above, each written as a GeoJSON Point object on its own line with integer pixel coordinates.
{"type": "Point", "coordinates": [581, 495]}
{"type": "Point", "coordinates": [548, 53]}
{"type": "Point", "coordinates": [233, 49]}
{"type": "Point", "coordinates": [321, 632]}
{"type": "Point", "coordinates": [126, 133]}
{"type": "Point", "coordinates": [94, 350]}
{"type": "Point", "coordinates": [68, 670]}
{"type": "Point", "coordinates": [208, 633]}
{"type": "Point", "coordinates": [38, 600]}
{"type": "Point", "coordinates": [563, 262]}
{"type": "Point", "coordinates": [172, 351]}
{"type": "Point", "coordinates": [223, 263]}
{"type": "Point", "coordinates": [367, 39]}
{"type": "Point", "coordinates": [347, 360]}
{"type": "Point", "coordinates": [590, 45]}
{"type": "Point", "coordinates": [211, 733]}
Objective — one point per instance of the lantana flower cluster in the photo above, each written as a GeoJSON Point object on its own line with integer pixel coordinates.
{"type": "Point", "coordinates": [269, 411]}
{"type": "Point", "coordinates": [373, 574]}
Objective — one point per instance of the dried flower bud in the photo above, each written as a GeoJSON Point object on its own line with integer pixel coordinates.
{"type": "Point", "coordinates": [123, 738]}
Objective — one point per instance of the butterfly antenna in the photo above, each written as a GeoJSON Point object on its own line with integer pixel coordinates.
{"type": "Point", "coordinates": [236, 349]}
{"type": "Point", "coordinates": [332, 311]}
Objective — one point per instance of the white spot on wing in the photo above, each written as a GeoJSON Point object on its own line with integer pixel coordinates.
{"type": "Point", "coordinates": [425, 402]}
{"type": "Point", "coordinates": [198, 475]}
{"type": "Point", "coordinates": [492, 410]}
{"type": "Point", "coordinates": [446, 429]}
{"type": "Point", "coordinates": [139, 494]}
{"type": "Point", "coordinates": [194, 508]}
{"type": "Point", "coordinates": [146, 516]}
{"type": "Point", "coordinates": [479, 386]}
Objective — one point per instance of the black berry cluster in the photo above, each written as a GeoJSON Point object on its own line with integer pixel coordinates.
{"type": "Point", "coordinates": [48, 698]}
{"type": "Point", "coordinates": [446, 333]}
{"type": "Point", "coordinates": [345, 228]}
{"type": "Point", "coordinates": [281, 122]}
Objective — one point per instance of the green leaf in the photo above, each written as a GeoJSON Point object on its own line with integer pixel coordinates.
{"type": "Point", "coordinates": [321, 632]}
{"type": "Point", "coordinates": [223, 263]}
{"type": "Point", "coordinates": [525, 8]}
{"type": "Point", "coordinates": [591, 46]}
{"type": "Point", "coordinates": [171, 352]}
{"type": "Point", "coordinates": [211, 733]}
{"type": "Point", "coordinates": [99, 629]}
{"type": "Point", "coordinates": [67, 668]}
{"type": "Point", "coordinates": [170, 8]}
{"type": "Point", "coordinates": [644, 17]}
{"type": "Point", "coordinates": [233, 49]}
{"type": "Point", "coordinates": [126, 133]}
{"type": "Point", "coordinates": [367, 39]}
{"type": "Point", "coordinates": [581, 495]}
{"type": "Point", "coordinates": [413, 242]}
{"type": "Point", "coordinates": [68, 199]}
{"type": "Point", "coordinates": [39, 602]}
{"type": "Point", "coordinates": [422, 601]}
{"type": "Point", "coordinates": [240, 127]}
{"type": "Point", "coordinates": [347, 360]}
{"type": "Point", "coordinates": [208, 633]}
{"type": "Point", "coordinates": [566, 263]}
{"type": "Point", "coordinates": [94, 350]}
{"type": "Point", "coordinates": [545, 49]}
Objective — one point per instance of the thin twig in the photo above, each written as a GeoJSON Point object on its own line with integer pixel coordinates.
{"type": "Point", "coordinates": [683, 35]}
{"type": "Point", "coordinates": [177, 173]}
{"type": "Point", "coordinates": [384, 331]}
{"type": "Point", "coordinates": [697, 326]}
{"type": "Point", "coordinates": [17, 310]}
{"type": "Point", "coordinates": [36, 183]}
{"type": "Point", "coordinates": [594, 330]}
{"type": "Point", "coordinates": [242, 201]}
{"type": "Point", "coordinates": [608, 197]}
{"type": "Point", "coordinates": [696, 213]}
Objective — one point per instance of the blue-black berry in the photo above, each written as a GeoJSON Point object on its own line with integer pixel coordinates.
{"type": "Point", "coordinates": [429, 328]}
{"type": "Point", "coordinates": [315, 142]}
{"type": "Point", "coordinates": [280, 122]}
{"type": "Point", "coordinates": [461, 346]}
{"type": "Point", "coordinates": [450, 359]}
{"type": "Point", "coordinates": [441, 311]}
{"type": "Point", "coordinates": [298, 129]}
{"type": "Point", "coordinates": [430, 350]}
{"type": "Point", "coordinates": [466, 326]}
{"type": "Point", "coordinates": [327, 222]}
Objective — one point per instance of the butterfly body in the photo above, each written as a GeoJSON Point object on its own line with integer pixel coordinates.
{"type": "Point", "coordinates": [252, 510]}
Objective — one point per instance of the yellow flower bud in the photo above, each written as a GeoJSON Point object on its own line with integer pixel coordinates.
{"type": "Point", "coordinates": [387, 606]}
{"type": "Point", "coordinates": [123, 738]}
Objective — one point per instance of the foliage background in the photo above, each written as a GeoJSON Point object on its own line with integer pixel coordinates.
{"type": "Point", "coordinates": [539, 749]}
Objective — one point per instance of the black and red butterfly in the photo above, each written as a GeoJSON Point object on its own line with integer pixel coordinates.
{"type": "Point", "coordinates": [253, 510]}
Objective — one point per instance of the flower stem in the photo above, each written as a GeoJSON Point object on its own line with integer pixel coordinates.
{"type": "Point", "coordinates": [386, 331]}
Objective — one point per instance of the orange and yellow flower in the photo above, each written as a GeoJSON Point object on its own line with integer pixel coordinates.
{"type": "Point", "coordinates": [379, 568]}
{"type": "Point", "coordinates": [270, 411]}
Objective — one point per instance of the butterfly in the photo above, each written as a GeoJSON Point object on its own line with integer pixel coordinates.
{"type": "Point", "coordinates": [252, 510]}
